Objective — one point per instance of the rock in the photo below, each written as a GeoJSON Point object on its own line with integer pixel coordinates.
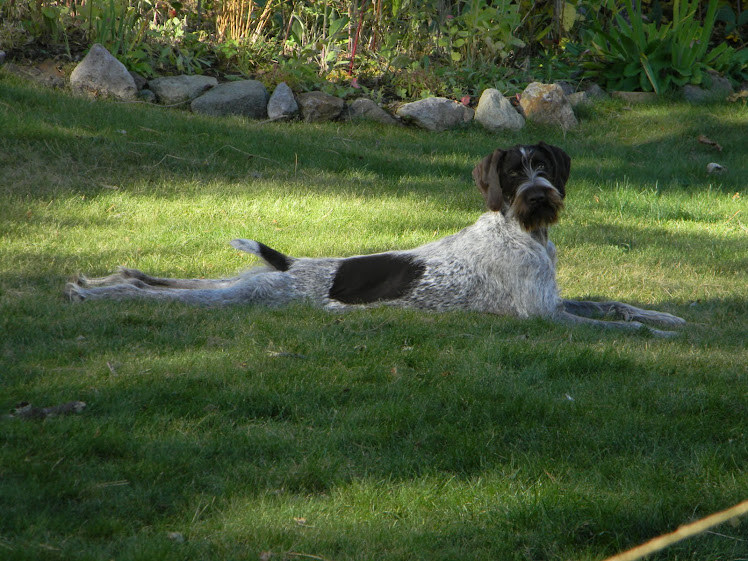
{"type": "Point", "coordinates": [140, 82]}
{"type": "Point", "coordinates": [173, 90]}
{"type": "Point", "coordinates": [100, 74]}
{"type": "Point", "coordinates": [566, 87]}
{"type": "Point", "coordinates": [51, 74]}
{"type": "Point", "coordinates": [147, 95]}
{"type": "Point", "coordinates": [547, 104]}
{"type": "Point", "coordinates": [495, 112]}
{"type": "Point", "coordinates": [282, 104]}
{"type": "Point", "coordinates": [436, 113]}
{"type": "Point", "coordinates": [45, 73]}
{"type": "Point", "coordinates": [718, 90]}
{"type": "Point", "coordinates": [635, 97]}
{"type": "Point", "coordinates": [247, 98]}
{"type": "Point", "coordinates": [319, 106]}
{"type": "Point", "coordinates": [579, 98]}
{"type": "Point", "coordinates": [364, 109]}
{"type": "Point", "coordinates": [593, 90]}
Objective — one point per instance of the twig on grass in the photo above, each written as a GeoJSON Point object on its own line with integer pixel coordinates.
{"type": "Point", "coordinates": [167, 156]}
{"type": "Point", "coordinates": [241, 152]}
{"type": "Point", "coordinates": [733, 216]}
{"type": "Point", "coordinates": [686, 531]}
{"type": "Point", "coordinates": [307, 555]}
{"type": "Point", "coordinates": [725, 536]}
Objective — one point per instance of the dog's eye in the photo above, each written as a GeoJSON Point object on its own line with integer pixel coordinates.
{"type": "Point", "coordinates": [541, 166]}
{"type": "Point", "coordinates": [513, 173]}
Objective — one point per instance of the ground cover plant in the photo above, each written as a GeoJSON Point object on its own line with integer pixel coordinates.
{"type": "Point", "coordinates": [399, 50]}
{"type": "Point", "coordinates": [247, 433]}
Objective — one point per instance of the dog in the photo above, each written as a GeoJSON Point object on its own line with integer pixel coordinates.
{"type": "Point", "coordinates": [503, 264]}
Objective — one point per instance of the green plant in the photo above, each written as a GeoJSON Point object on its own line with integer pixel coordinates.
{"type": "Point", "coordinates": [482, 33]}
{"type": "Point", "coordinates": [656, 56]}
{"type": "Point", "coordinates": [176, 48]}
{"type": "Point", "coordinates": [117, 24]}
{"type": "Point", "coordinates": [735, 25]}
{"type": "Point", "coordinates": [320, 37]}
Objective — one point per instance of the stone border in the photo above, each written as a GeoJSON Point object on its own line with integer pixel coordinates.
{"type": "Point", "coordinates": [100, 74]}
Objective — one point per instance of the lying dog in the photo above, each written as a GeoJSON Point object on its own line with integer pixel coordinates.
{"type": "Point", "coordinates": [503, 264]}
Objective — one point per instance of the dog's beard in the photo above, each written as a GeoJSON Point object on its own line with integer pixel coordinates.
{"type": "Point", "coordinates": [537, 206]}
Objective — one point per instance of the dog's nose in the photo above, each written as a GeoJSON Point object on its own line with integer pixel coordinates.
{"type": "Point", "coordinates": [536, 197]}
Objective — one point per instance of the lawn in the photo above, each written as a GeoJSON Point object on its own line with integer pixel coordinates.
{"type": "Point", "coordinates": [247, 433]}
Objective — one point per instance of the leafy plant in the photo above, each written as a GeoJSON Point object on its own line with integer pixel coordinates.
{"type": "Point", "coordinates": [118, 25]}
{"type": "Point", "coordinates": [178, 48]}
{"type": "Point", "coordinates": [656, 57]}
{"type": "Point", "coordinates": [319, 37]}
{"type": "Point", "coordinates": [482, 32]}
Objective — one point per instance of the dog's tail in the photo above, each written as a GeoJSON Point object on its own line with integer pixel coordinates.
{"type": "Point", "coordinates": [276, 259]}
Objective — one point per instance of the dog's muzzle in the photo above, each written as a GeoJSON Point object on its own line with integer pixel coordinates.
{"type": "Point", "coordinates": [537, 204]}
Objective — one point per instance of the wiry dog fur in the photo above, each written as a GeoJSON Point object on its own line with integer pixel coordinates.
{"type": "Point", "coordinates": [503, 264]}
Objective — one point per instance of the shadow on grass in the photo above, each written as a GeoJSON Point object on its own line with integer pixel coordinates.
{"type": "Point", "coordinates": [104, 143]}
{"type": "Point", "coordinates": [184, 412]}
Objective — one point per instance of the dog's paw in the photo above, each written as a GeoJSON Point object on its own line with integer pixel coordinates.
{"type": "Point", "coordinates": [74, 292]}
{"type": "Point", "coordinates": [125, 273]}
{"type": "Point", "coordinates": [659, 318]}
{"type": "Point", "coordinates": [80, 280]}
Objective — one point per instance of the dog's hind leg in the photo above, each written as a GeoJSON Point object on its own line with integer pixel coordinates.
{"type": "Point", "coordinates": [620, 310]}
{"type": "Point", "coordinates": [268, 288]}
{"type": "Point", "coordinates": [139, 278]}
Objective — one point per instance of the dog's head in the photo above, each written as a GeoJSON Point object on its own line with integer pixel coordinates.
{"type": "Point", "coordinates": [527, 181]}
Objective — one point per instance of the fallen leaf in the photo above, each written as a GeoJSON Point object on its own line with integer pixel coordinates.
{"type": "Point", "coordinates": [708, 141]}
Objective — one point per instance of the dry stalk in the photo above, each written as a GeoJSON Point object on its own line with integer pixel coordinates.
{"type": "Point", "coordinates": [686, 531]}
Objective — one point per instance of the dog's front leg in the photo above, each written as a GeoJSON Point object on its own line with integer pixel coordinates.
{"type": "Point", "coordinates": [572, 319]}
{"type": "Point", "coordinates": [622, 311]}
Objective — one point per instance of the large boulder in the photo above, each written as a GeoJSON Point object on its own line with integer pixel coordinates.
{"type": "Point", "coordinates": [173, 90]}
{"type": "Point", "coordinates": [495, 112]}
{"type": "Point", "coordinates": [247, 98]}
{"type": "Point", "coordinates": [547, 104]}
{"type": "Point", "coordinates": [100, 74]}
{"type": "Point", "coordinates": [282, 105]}
{"type": "Point", "coordinates": [436, 113]}
{"type": "Point", "coordinates": [319, 106]}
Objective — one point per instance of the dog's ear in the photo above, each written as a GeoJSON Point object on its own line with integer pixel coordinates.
{"type": "Point", "coordinates": [561, 165]}
{"type": "Point", "coordinates": [486, 176]}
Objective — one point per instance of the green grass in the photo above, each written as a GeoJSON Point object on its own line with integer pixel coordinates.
{"type": "Point", "coordinates": [378, 434]}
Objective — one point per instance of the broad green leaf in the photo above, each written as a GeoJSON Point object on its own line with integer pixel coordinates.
{"type": "Point", "coordinates": [569, 16]}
